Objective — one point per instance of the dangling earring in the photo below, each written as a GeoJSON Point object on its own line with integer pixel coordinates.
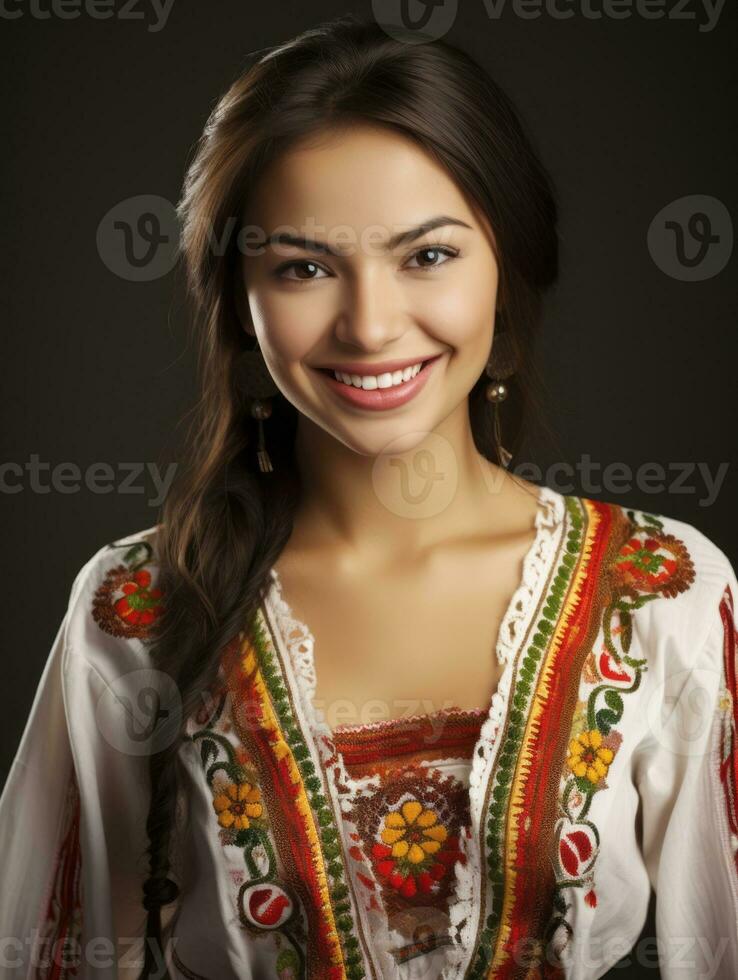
{"type": "Point", "coordinates": [499, 367]}
{"type": "Point", "coordinates": [257, 387]}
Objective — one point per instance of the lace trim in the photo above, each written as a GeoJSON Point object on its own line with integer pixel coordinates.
{"type": "Point", "coordinates": [299, 643]}
{"type": "Point", "coordinates": [470, 875]}
{"type": "Point", "coordinates": [342, 788]}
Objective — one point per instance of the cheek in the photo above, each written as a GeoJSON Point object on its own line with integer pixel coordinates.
{"type": "Point", "coordinates": [288, 327]}
{"type": "Point", "coordinates": [463, 317]}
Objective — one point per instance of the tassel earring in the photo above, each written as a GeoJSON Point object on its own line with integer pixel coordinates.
{"type": "Point", "coordinates": [257, 388]}
{"type": "Point", "coordinates": [499, 367]}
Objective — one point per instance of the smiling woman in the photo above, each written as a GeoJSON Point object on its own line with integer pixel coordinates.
{"type": "Point", "coordinates": [364, 704]}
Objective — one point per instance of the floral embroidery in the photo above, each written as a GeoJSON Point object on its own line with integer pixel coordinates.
{"type": "Point", "coordinates": [139, 604]}
{"type": "Point", "coordinates": [414, 834]}
{"type": "Point", "coordinates": [126, 604]}
{"type": "Point", "coordinates": [310, 826]}
{"type": "Point", "coordinates": [588, 757]}
{"type": "Point", "coordinates": [241, 816]}
{"type": "Point", "coordinates": [556, 749]}
{"type": "Point", "coordinates": [539, 840]}
{"type": "Point", "coordinates": [409, 821]}
{"type": "Point", "coordinates": [268, 800]}
{"type": "Point", "coordinates": [238, 805]}
{"type": "Point", "coordinates": [648, 565]}
{"type": "Point", "coordinates": [659, 563]}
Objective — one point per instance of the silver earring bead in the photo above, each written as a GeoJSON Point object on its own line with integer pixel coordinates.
{"type": "Point", "coordinates": [257, 387]}
{"type": "Point", "coordinates": [261, 409]}
{"type": "Point", "coordinates": [496, 391]}
{"type": "Point", "coordinates": [501, 365]}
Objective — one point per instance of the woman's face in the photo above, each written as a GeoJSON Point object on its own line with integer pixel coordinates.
{"type": "Point", "coordinates": [347, 293]}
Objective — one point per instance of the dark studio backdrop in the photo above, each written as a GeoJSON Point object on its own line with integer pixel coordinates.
{"type": "Point", "coordinates": [629, 106]}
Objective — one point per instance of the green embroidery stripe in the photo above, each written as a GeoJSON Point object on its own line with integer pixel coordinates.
{"type": "Point", "coordinates": [326, 828]}
{"type": "Point", "coordinates": [522, 693]}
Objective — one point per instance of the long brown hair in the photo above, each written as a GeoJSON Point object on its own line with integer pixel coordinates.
{"type": "Point", "coordinates": [224, 523]}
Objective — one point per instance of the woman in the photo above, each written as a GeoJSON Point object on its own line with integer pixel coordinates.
{"type": "Point", "coordinates": [273, 717]}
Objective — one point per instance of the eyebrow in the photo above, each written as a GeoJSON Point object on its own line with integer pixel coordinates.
{"type": "Point", "coordinates": [401, 238]}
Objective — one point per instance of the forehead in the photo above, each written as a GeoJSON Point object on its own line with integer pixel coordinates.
{"type": "Point", "coordinates": [360, 176]}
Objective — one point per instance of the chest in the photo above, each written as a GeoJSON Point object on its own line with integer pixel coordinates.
{"type": "Point", "coordinates": [408, 641]}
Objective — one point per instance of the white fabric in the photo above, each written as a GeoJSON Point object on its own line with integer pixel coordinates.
{"type": "Point", "coordinates": [662, 822]}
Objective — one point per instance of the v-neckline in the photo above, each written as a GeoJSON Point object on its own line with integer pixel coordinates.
{"type": "Point", "coordinates": [300, 643]}
{"type": "Point", "coordinates": [297, 642]}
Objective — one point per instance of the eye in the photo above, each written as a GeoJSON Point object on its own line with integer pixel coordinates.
{"type": "Point", "coordinates": [434, 250]}
{"type": "Point", "coordinates": [305, 265]}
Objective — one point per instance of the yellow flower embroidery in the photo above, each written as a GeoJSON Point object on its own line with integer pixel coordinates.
{"type": "Point", "coordinates": [413, 832]}
{"type": "Point", "coordinates": [588, 757]}
{"type": "Point", "coordinates": [237, 805]}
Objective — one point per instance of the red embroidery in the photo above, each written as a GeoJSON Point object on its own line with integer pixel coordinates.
{"type": "Point", "coordinates": [728, 749]}
{"type": "Point", "coordinates": [410, 826]}
{"type": "Point", "coordinates": [61, 930]}
{"type": "Point", "coordinates": [126, 604]}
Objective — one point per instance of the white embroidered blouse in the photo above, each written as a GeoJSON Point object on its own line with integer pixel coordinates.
{"type": "Point", "coordinates": [606, 766]}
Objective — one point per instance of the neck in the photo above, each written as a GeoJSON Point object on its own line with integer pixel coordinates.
{"type": "Point", "coordinates": [377, 507]}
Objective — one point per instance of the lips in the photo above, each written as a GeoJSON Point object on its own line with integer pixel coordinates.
{"type": "Point", "coordinates": [385, 367]}
{"type": "Point", "coordinates": [380, 399]}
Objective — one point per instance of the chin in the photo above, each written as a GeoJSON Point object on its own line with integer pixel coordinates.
{"type": "Point", "coordinates": [393, 441]}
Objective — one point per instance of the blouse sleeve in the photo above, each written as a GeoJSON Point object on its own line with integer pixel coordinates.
{"type": "Point", "coordinates": [73, 810]}
{"type": "Point", "coordinates": [686, 775]}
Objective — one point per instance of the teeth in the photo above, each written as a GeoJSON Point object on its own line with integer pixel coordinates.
{"type": "Point", "coordinates": [371, 381]}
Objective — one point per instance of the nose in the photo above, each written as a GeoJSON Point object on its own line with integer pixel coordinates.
{"type": "Point", "coordinates": [373, 315]}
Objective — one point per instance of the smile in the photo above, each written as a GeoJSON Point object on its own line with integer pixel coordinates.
{"type": "Point", "coordinates": [379, 391]}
